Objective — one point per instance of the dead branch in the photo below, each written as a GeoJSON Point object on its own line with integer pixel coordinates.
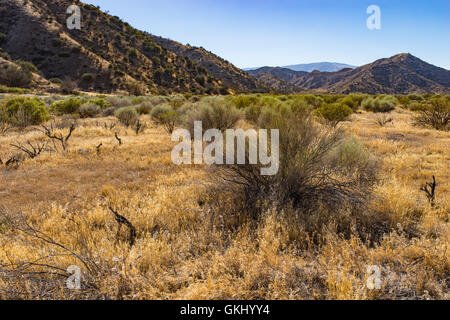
{"type": "Point", "coordinates": [122, 220]}
{"type": "Point", "coordinates": [98, 147]}
{"type": "Point", "coordinates": [49, 132]}
{"type": "Point", "coordinates": [140, 127]}
{"type": "Point", "coordinates": [429, 188]}
{"type": "Point", "coordinates": [32, 150]}
{"type": "Point", "coordinates": [116, 135]}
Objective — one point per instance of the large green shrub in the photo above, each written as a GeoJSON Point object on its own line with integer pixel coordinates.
{"type": "Point", "coordinates": [383, 103]}
{"type": "Point", "coordinates": [334, 113]}
{"type": "Point", "coordinates": [25, 111]}
{"type": "Point", "coordinates": [68, 106]}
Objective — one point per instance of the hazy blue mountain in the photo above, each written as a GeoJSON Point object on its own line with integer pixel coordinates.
{"type": "Point", "coordinates": [319, 66]}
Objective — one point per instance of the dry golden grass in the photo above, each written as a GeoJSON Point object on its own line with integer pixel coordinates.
{"type": "Point", "coordinates": [185, 250]}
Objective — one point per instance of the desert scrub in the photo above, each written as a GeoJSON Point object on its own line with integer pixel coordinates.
{"type": "Point", "coordinates": [166, 116]}
{"type": "Point", "coordinates": [89, 110]}
{"type": "Point", "coordinates": [353, 100]}
{"type": "Point", "coordinates": [318, 171]}
{"type": "Point", "coordinates": [334, 113]}
{"type": "Point", "coordinates": [383, 103]}
{"type": "Point", "coordinates": [13, 75]}
{"type": "Point", "coordinates": [69, 106]}
{"type": "Point", "coordinates": [102, 103]}
{"type": "Point", "coordinates": [23, 112]}
{"type": "Point", "coordinates": [127, 116]}
{"type": "Point", "coordinates": [214, 113]}
{"type": "Point", "coordinates": [436, 115]}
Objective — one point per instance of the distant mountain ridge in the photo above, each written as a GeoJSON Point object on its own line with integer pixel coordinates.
{"type": "Point", "coordinates": [400, 74]}
{"type": "Point", "coordinates": [309, 67]}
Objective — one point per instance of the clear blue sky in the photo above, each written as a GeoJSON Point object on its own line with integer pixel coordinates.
{"type": "Point", "coordinates": [252, 33]}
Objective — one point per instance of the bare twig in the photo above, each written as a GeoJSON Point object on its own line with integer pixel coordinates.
{"type": "Point", "coordinates": [122, 220]}
{"type": "Point", "coordinates": [49, 132]}
{"type": "Point", "coordinates": [32, 150]}
{"type": "Point", "coordinates": [429, 188]}
{"type": "Point", "coordinates": [116, 135]}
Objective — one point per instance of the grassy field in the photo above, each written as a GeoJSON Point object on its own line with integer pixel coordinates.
{"type": "Point", "coordinates": [192, 243]}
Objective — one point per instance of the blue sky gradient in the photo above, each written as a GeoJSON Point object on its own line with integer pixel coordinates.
{"type": "Point", "coordinates": [252, 33]}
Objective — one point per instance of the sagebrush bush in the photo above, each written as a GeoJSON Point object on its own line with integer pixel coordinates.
{"type": "Point", "coordinates": [144, 107]}
{"type": "Point", "coordinates": [166, 116]}
{"type": "Point", "coordinates": [23, 112]}
{"type": "Point", "coordinates": [383, 103]}
{"type": "Point", "coordinates": [319, 169]}
{"type": "Point", "coordinates": [334, 113]}
{"type": "Point", "coordinates": [353, 100]}
{"type": "Point", "coordinates": [68, 106]}
{"type": "Point", "coordinates": [127, 116]}
{"type": "Point", "coordinates": [214, 113]}
{"type": "Point", "coordinates": [102, 103]}
{"type": "Point", "coordinates": [119, 102]}
{"type": "Point", "coordinates": [13, 75]}
{"type": "Point", "coordinates": [89, 110]}
{"type": "Point", "coordinates": [436, 115]}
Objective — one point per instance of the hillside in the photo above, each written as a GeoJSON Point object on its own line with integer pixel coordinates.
{"type": "Point", "coordinates": [400, 74]}
{"type": "Point", "coordinates": [107, 54]}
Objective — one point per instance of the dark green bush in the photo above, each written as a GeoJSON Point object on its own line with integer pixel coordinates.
{"type": "Point", "coordinates": [23, 112]}
{"type": "Point", "coordinates": [68, 106]}
{"type": "Point", "coordinates": [382, 103]}
{"type": "Point", "coordinates": [334, 113]}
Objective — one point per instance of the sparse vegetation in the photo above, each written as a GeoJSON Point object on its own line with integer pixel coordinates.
{"type": "Point", "coordinates": [343, 199]}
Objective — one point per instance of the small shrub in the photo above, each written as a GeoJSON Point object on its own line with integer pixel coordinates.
{"type": "Point", "coordinates": [334, 113]}
{"type": "Point", "coordinates": [69, 106]}
{"type": "Point", "coordinates": [88, 77]}
{"type": "Point", "coordinates": [102, 103]}
{"type": "Point", "coordinates": [89, 110]}
{"type": "Point", "coordinates": [144, 108]}
{"type": "Point", "coordinates": [383, 103]}
{"type": "Point", "coordinates": [23, 112]}
{"type": "Point", "coordinates": [127, 116]}
{"type": "Point", "coordinates": [353, 100]}
{"type": "Point", "coordinates": [68, 85]}
{"type": "Point", "coordinates": [436, 116]}
{"type": "Point", "coordinates": [214, 112]}
{"type": "Point", "coordinates": [136, 88]}
{"type": "Point", "coordinates": [119, 102]}
{"type": "Point", "coordinates": [13, 75]}
{"type": "Point", "coordinates": [166, 116]}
